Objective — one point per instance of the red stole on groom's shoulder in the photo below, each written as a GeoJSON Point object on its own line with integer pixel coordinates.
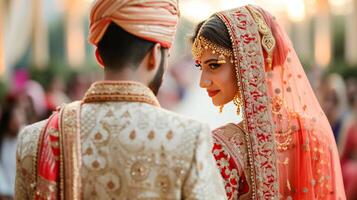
{"type": "Point", "coordinates": [58, 161]}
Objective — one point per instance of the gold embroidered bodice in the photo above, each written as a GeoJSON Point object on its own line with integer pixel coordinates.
{"type": "Point", "coordinates": [232, 157]}
{"type": "Point", "coordinates": [133, 149]}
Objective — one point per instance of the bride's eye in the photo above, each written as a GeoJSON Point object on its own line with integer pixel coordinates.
{"type": "Point", "coordinates": [214, 65]}
{"type": "Point", "coordinates": [198, 66]}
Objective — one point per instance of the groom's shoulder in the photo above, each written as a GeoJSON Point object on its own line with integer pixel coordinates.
{"type": "Point", "coordinates": [28, 139]}
{"type": "Point", "coordinates": [32, 129]}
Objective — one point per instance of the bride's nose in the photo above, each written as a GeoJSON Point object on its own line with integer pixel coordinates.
{"type": "Point", "coordinates": [205, 82]}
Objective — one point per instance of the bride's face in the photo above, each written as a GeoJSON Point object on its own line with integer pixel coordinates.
{"type": "Point", "coordinates": [218, 79]}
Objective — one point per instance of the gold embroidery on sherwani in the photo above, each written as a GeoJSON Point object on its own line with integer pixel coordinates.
{"type": "Point", "coordinates": [26, 161]}
{"type": "Point", "coordinates": [120, 161]}
{"type": "Point", "coordinates": [46, 187]}
{"type": "Point", "coordinates": [120, 91]}
{"type": "Point", "coordinates": [71, 151]}
{"type": "Point", "coordinates": [134, 149]}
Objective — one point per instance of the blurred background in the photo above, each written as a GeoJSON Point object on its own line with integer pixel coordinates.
{"type": "Point", "coordinates": [45, 61]}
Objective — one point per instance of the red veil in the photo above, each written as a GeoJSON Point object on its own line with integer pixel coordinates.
{"type": "Point", "coordinates": [292, 148]}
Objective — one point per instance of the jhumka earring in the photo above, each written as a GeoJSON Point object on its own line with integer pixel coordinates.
{"type": "Point", "coordinates": [237, 102]}
{"type": "Point", "coordinates": [221, 108]}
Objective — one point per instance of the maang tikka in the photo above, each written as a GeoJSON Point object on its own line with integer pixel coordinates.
{"type": "Point", "coordinates": [202, 44]}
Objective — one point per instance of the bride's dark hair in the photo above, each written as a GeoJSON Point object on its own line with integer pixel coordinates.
{"type": "Point", "coordinates": [215, 31]}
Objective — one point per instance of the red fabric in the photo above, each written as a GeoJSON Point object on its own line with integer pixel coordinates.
{"type": "Point", "coordinates": [349, 163]}
{"type": "Point", "coordinates": [48, 162]}
{"type": "Point", "coordinates": [350, 148]}
{"type": "Point", "coordinates": [239, 184]}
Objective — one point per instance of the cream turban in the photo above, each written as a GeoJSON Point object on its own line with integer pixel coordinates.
{"type": "Point", "coordinates": [153, 20]}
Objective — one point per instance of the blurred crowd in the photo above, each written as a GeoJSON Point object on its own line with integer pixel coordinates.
{"type": "Point", "coordinates": [27, 101]}
{"type": "Point", "coordinates": [338, 99]}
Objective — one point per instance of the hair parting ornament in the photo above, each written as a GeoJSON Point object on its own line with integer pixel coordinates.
{"type": "Point", "coordinates": [268, 42]}
{"type": "Point", "coordinates": [202, 44]}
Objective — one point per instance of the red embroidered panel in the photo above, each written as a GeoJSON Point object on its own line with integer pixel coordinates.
{"type": "Point", "coordinates": [234, 179]}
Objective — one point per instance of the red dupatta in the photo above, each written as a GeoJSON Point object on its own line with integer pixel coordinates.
{"type": "Point", "coordinates": [291, 149]}
{"type": "Point", "coordinates": [58, 158]}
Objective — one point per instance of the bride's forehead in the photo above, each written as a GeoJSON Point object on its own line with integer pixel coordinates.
{"type": "Point", "coordinates": [207, 55]}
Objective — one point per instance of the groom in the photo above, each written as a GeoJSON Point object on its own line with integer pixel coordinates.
{"type": "Point", "coordinates": [117, 143]}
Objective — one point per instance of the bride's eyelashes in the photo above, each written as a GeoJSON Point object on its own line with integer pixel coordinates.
{"type": "Point", "coordinates": [211, 66]}
{"type": "Point", "coordinates": [214, 66]}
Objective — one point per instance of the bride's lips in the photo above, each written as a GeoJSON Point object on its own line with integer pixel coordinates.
{"type": "Point", "coordinates": [212, 93]}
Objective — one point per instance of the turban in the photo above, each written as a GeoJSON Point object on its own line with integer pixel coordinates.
{"type": "Point", "coordinates": [152, 20]}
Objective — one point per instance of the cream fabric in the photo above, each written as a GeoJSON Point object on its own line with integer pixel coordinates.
{"type": "Point", "coordinates": [133, 150]}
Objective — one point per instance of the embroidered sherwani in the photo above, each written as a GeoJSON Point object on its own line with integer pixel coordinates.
{"type": "Point", "coordinates": [120, 145]}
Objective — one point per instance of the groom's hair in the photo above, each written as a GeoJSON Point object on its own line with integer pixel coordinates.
{"type": "Point", "coordinates": [119, 48]}
{"type": "Point", "coordinates": [215, 31]}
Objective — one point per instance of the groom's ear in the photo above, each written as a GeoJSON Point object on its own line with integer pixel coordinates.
{"type": "Point", "coordinates": [99, 58]}
{"type": "Point", "coordinates": [150, 64]}
{"type": "Point", "coordinates": [154, 57]}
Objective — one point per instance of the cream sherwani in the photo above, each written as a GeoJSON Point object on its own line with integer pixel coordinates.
{"type": "Point", "coordinates": [130, 148]}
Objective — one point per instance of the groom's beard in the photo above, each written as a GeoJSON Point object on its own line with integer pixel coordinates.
{"type": "Point", "coordinates": [155, 84]}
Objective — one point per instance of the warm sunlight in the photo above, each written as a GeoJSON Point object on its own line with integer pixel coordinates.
{"type": "Point", "coordinates": [196, 10]}
{"type": "Point", "coordinates": [228, 4]}
{"type": "Point", "coordinates": [296, 10]}
{"type": "Point", "coordinates": [341, 6]}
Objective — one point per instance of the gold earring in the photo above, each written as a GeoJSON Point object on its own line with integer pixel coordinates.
{"type": "Point", "coordinates": [237, 102]}
{"type": "Point", "coordinates": [221, 108]}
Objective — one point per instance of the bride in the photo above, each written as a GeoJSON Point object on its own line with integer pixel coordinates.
{"type": "Point", "coordinates": [284, 147]}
